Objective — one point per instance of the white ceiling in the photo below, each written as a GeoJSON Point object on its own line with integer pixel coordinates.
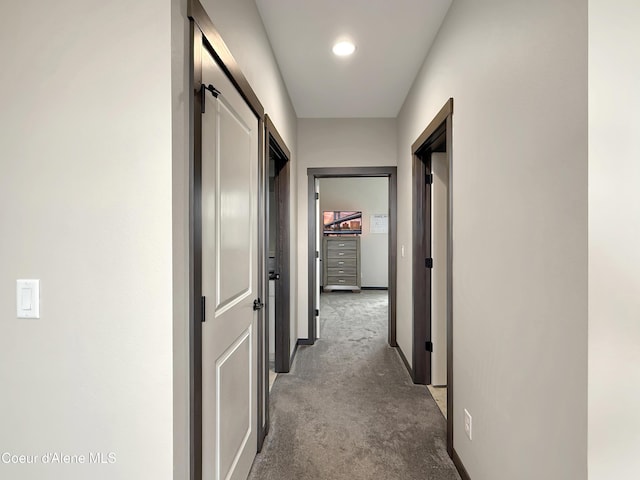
{"type": "Point", "coordinates": [392, 38]}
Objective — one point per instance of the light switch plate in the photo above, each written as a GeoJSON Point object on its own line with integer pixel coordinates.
{"type": "Point", "coordinates": [28, 298]}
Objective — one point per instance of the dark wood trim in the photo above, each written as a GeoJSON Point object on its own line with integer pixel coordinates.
{"type": "Point", "coordinates": [393, 257]}
{"type": "Point", "coordinates": [263, 285]}
{"type": "Point", "coordinates": [338, 172]}
{"type": "Point", "coordinates": [438, 120]}
{"type": "Point", "coordinates": [459, 465]}
{"type": "Point", "coordinates": [283, 293]}
{"type": "Point", "coordinates": [404, 360]}
{"type": "Point", "coordinates": [222, 54]}
{"type": "Point", "coordinates": [279, 142]}
{"type": "Point", "coordinates": [195, 261]}
{"type": "Point", "coordinates": [263, 337]}
{"type": "Point", "coordinates": [294, 353]}
{"type": "Point", "coordinates": [311, 259]}
{"type": "Point", "coordinates": [437, 137]}
{"type": "Point", "coordinates": [450, 330]}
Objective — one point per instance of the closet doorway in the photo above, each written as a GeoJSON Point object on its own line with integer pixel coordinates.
{"type": "Point", "coordinates": [275, 351]}
{"type": "Point", "coordinates": [433, 260]}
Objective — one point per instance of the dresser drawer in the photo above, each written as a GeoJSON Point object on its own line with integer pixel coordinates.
{"type": "Point", "coordinates": [341, 262]}
{"type": "Point", "coordinates": [340, 272]}
{"type": "Point", "coordinates": [341, 244]}
{"type": "Point", "coordinates": [342, 253]}
{"type": "Point", "coordinates": [342, 280]}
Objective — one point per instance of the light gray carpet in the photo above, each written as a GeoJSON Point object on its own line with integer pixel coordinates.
{"type": "Point", "coordinates": [348, 409]}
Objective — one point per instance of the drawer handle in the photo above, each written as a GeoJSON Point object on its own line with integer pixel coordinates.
{"type": "Point", "coordinates": [342, 280]}
{"type": "Point", "coordinates": [340, 263]}
{"type": "Point", "coordinates": [340, 271]}
{"type": "Point", "coordinates": [341, 244]}
{"type": "Point", "coordinates": [341, 253]}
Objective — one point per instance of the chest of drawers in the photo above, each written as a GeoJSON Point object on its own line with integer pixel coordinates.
{"type": "Point", "coordinates": [341, 263]}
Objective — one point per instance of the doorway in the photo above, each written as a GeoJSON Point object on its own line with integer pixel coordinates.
{"type": "Point", "coordinates": [352, 268]}
{"type": "Point", "coordinates": [278, 248]}
{"type": "Point", "coordinates": [433, 259]}
{"type": "Point", "coordinates": [315, 246]}
{"type": "Point", "coordinates": [276, 329]}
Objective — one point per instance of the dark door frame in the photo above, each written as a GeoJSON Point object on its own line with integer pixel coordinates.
{"type": "Point", "coordinates": [276, 147]}
{"type": "Point", "coordinates": [204, 37]}
{"type": "Point", "coordinates": [437, 137]}
{"type": "Point", "coordinates": [334, 172]}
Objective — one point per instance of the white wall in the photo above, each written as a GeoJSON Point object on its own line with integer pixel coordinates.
{"type": "Point", "coordinates": [86, 207]}
{"type": "Point", "coordinates": [94, 191]}
{"type": "Point", "coordinates": [335, 143]}
{"type": "Point", "coordinates": [371, 196]}
{"type": "Point", "coordinates": [614, 236]}
{"type": "Point", "coordinates": [517, 71]}
{"type": "Point", "coordinates": [239, 24]}
{"type": "Point", "coordinates": [180, 121]}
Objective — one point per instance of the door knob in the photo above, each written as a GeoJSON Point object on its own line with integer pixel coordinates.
{"type": "Point", "coordinates": [257, 304]}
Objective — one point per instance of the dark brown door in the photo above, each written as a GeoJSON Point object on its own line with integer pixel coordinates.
{"type": "Point", "coordinates": [422, 265]}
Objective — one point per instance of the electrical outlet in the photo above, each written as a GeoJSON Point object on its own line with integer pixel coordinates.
{"type": "Point", "coordinates": [468, 426]}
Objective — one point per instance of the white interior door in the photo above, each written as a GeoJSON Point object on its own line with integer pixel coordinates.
{"type": "Point", "coordinates": [439, 236]}
{"type": "Point", "coordinates": [229, 279]}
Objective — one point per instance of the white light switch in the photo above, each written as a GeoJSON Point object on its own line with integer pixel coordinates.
{"type": "Point", "coordinates": [28, 298]}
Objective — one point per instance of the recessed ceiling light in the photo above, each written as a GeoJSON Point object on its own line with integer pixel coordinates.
{"type": "Point", "coordinates": [344, 49]}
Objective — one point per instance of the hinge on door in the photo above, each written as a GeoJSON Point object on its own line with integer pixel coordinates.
{"type": "Point", "coordinates": [317, 312]}
{"type": "Point", "coordinates": [428, 346]}
{"type": "Point", "coordinates": [203, 303]}
{"type": "Point", "coordinates": [428, 262]}
{"type": "Point", "coordinates": [429, 179]}
{"type": "Point", "coordinates": [317, 254]}
{"type": "Point", "coordinates": [203, 90]}
{"type": "Point", "coordinates": [317, 195]}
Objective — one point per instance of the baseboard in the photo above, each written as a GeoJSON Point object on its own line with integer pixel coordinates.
{"type": "Point", "coordinates": [460, 466]}
{"type": "Point", "coordinates": [404, 360]}
{"type": "Point", "coordinates": [361, 288]}
{"type": "Point", "coordinates": [293, 355]}
{"type": "Point", "coordinates": [305, 341]}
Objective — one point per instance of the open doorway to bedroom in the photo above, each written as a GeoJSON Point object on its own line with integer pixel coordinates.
{"type": "Point", "coordinates": [353, 227]}
{"type": "Point", "coordinates": [352, 243]}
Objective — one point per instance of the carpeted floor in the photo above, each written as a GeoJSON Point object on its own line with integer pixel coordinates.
{"type": "Point", "coordinates": [348, 410]}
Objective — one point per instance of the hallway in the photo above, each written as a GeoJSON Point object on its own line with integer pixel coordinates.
{"type": "Point", "coordinates": [348, 409]}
